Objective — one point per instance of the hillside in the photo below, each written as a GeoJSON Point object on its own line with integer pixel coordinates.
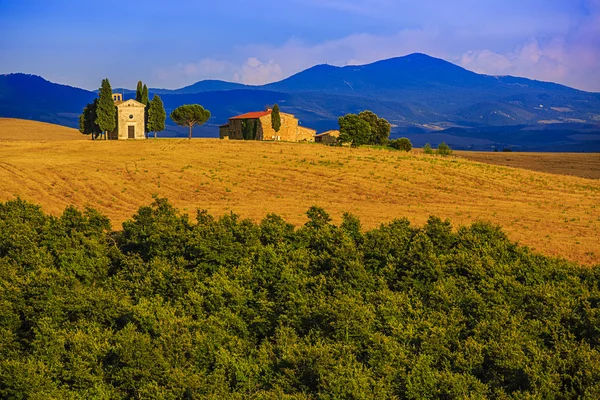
{"type": "Point", "coordinates": [557, 215]}
{"type": "Point", "coordinates": [418, 94]}
{"type": "Point", "coordinates": [573, 164]}
{"type": "Point", "coordinates": [26, 130]}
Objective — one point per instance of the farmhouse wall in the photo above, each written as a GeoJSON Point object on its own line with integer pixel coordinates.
{"type": "Point", "coordinates": [236, 129]}
{"type": "Point", "coordinates": [305, 134]}
{"type": "Point", "coordinates": [287, 132]}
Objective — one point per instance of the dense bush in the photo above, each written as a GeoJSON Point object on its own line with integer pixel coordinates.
{"type": "Point", "coordinates": [402, 144]}
{"type": "Point", "coordinates": [427, 149]}
{"type": "Point", "coordinates": [227, 308]}
{"type": "Point", "coordinates": [444, 150]}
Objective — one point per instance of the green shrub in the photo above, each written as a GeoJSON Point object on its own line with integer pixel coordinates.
{"type": "Point", "coordinates": [172, 307]}
{"type": "Point", "coordinates": [402, 144]}
{"type": "Point", "coordinates": [444, 150]}
{"type": "Point", "coordinates": [427, 149]}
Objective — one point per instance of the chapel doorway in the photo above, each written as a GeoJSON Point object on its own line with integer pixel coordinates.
{"type": "Point", "coordinates": [131, 132]}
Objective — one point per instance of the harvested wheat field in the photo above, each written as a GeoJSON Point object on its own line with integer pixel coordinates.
{"type": "Point", "coordinates": [585, 165]}
{"type": "Point", "coordinates": [554, 214]}
{"type": "Point", "coordinates": [25, 130]}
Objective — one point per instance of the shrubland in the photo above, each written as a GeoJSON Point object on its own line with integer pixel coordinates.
{"type": "Point", "coordinates": [175, 307]}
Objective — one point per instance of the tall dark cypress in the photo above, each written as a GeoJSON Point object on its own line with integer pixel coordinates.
{"type": "Point", "coordinates": [106, 111]}
{"type": "Point", "coordinates": [276, 118]}
{"type": "Point", "coordinates": [138, 92]}
{"type": "Point", "coordinates": [144, 98]}
{"type": "Point", "coordinates": [156, 115]}
{"type": "Point", "coordinates": [146, 102]}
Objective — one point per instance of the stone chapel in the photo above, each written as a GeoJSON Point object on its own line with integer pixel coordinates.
{"type": "Point", "coordinates": [131, 122]}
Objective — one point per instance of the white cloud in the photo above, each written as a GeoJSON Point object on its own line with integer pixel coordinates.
{"type": "Point", "coordinates": [572, 59]}
{"type": "Point", "coordinates": [251, 72]}
{"type": "Point", "coordinates": [255, 72]}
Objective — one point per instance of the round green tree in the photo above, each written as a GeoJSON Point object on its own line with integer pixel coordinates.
{"type": "Point", "coordinates": [380, 128]}
{"type": "Point", "coordinates": [190, 115]}
{"type": "Point", "coordinates": [87, 120]}
{"type": "Point", "coordinates": [354, 130]}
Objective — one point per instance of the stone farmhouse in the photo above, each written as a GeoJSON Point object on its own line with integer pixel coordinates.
{"type": "Point", "coordinates": [257, 126]}
{"type": "Point", "coordinates": [329, 137]}
{"type": "Point", "coordinates": [131, 122]}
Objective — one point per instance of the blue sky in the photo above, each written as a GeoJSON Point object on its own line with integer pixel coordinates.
{"type": "Point", "coordinates": [175, 43]}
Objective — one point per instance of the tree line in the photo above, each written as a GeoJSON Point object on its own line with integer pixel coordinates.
{"type": "Point", "coordinates": [366, 128]}
{"type": "Point", "coordinates": [180, 308]}
{"type": "Point", "coordinates": [100, 116]}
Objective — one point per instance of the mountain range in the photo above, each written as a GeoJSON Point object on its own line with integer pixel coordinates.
{"type": "Point", "coordinates": [425, 98]}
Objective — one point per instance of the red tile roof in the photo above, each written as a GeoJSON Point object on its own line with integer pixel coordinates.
{"type": "Point", "coordinates": [252, 115]}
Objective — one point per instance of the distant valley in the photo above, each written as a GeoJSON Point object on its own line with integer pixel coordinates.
{"type": "Point", "coordinates": [426, 99]}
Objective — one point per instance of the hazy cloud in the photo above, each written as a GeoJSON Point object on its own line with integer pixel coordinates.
{"type": "Point", "coordinates": [255, 72]}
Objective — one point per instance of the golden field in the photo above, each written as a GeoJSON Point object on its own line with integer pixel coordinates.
{"type": "Point", "coordinates": [584, 165]}
{"type": "Point", "coordinates": [555, 214]}
{"type": "Point", "coordinates": [24, 130]}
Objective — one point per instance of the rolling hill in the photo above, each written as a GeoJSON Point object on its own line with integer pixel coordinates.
{"type": "Point", "coordinates": [418, 94]}
{"type": "Point", "coordinates": [25, 130]}
{"type": "Point", "coordinates": [555, 214]}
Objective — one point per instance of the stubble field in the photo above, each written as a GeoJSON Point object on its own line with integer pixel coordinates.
{"type": "Point", "coordinates": [555, 214]}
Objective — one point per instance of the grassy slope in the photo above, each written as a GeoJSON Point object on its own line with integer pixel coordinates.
{"type": "Point", "coordinates": [25, 130]}
{"type": "Point", "coordinates": [555, 214]}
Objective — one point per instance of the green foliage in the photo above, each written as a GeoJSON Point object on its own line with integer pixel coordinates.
{"type": "Point", "coordinates": [106, 112]}
{"type": "Point", "coordinates": [138, 91]}
{"type": "Point", "coordinates": [224, 307]}
{"type": "Point", "coordinates": [402, 144]}
{"type": "Point", "coordinates": [276, 118]}
{"type": "Point", "coordinates": [364, 128]}
{"type": "Point", "coordinates": [156, 115]}
{"type": "Point", "coordinates": [190, 115]}
{"type": "Point", "coordinates": [87, 120]}
{"type": "Point", "coordinates": [427, 149]}
{"type": "Point", "coordinates": [146, 102]}
{"type": "Point", "coordinates": [354, 130]}
{"type": "Point", "coordinates": [249, 129]}
{"type": "Point", "coordinates": [444, 150]}
{"type": "Point", "coordinates": [380, 128]}
{"type": "Point", "coordinates": [144, 99]}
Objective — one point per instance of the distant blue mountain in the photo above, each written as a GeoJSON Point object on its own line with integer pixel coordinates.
{"type": "Point", "coordinates": [418, 94]}
{"type": "Point", "coordinates": [32, 97]}
{"type": "Point", "coordinates": [205, 86]}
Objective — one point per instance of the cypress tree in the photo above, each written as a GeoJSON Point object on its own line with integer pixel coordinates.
{"type": "Point", "coordinates": [156, 115]}
{"type": "Point", "coordinates": [146, 102]}
{"type": "Point", "coordinates": [144, 98]}
{"type": "Point", "coordinates": [276, 118]}
{"type": "Point", "coordinates": [106, 111]}
{"type": "Point", "coordinates": [138, 92]}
